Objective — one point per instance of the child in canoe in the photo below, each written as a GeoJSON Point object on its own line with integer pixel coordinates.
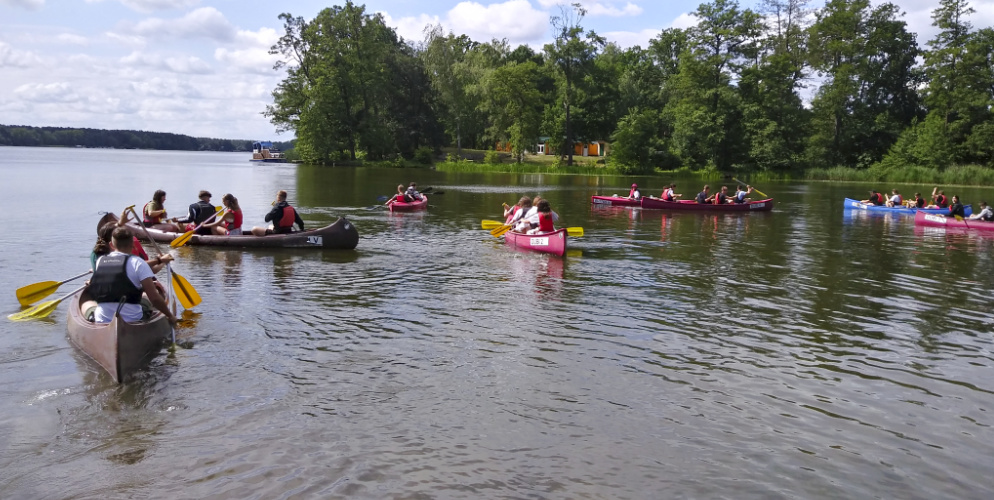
{"type": "Point", "coordinates": [545, 219]}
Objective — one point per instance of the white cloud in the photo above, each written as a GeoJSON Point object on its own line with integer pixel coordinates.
{"type": "Point", "coordinates": [60, 92]}
{"type": "Point", "coordinates": [412, 28]}
{"type": "Point", "coordinates": [147, 6]}
{"type": "Point", "coordinates": [24, 4]}
{"type": "Point", "coordinates": [72, 39]}
{"type": "Point", "coordinates": [264, 38]}
{"type": "Point", "coordinates": [205, 22]}
{"type": "Point", "coordinates": [515, 20]}
{"type": "Point", "coordinates": [130, 40]}
{"type": "Point", "coordinates": [249, 60]}
{"type": "Point", "coordinates": [165, 87]}
{"type": "Point", "coordinates": [684, 21]}
{"type": "Point", "coordinates": [600, 9]}
{"type": "Point", "coordinates": [11, 57]}
{"type": "Point", "coordinates": [186, 65]}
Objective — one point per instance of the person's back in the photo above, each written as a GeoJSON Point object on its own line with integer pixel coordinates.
{"type": "Point", "coordinates": [703, 196]}
{"type": "Point", "coordinates": [117, 278]}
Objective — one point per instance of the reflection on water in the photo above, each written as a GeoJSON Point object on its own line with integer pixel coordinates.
{"type": "Point", "coordinates": [809, 352]}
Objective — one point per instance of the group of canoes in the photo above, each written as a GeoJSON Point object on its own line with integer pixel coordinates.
{"type": "Point", "coordinates": [939, 205]}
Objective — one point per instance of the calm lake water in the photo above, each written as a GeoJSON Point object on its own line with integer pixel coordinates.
{"type": "Point", "coordinates": [803, 353]}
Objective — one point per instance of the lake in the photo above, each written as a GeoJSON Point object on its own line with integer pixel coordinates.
{"type": "Point", "coordinates": [802, 353]}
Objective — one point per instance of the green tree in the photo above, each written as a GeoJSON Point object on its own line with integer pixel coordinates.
{"type": "Point", "coordinates": [514, 105]}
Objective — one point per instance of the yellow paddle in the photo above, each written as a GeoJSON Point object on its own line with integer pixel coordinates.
{"type": "Point", "coordinates": [185, 237]}
{"type": "Point", "coordinates": [499, 231]}
{"type": "Point", "coordinates": [184, 291]}
{"type": "Point", "coordinates": [42, 310]}
{"type": "Point", "coordinates": [753, 188]}
{"type": "Point", "coordinates": [29, 294]}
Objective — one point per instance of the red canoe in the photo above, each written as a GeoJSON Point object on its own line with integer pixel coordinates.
{"type": "Point", "coordinates": [554, 242]}
{"type": "Point", "coordinates": [400, 206]}
{"type": "Point", "coordinates": [936, 220]}
{"type": "Point", "coordinates": [752, 206]}
{"type": "Point", "coordinates": [614, 201]}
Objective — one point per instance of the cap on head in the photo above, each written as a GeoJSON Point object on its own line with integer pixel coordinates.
{"type": "Point", "coordinates": [635, 185]}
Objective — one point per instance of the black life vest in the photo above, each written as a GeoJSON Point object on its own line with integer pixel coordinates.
{"type": "Point", "coordinates": [110, 281]}
{"type": "Point", "coordinates": [702, 197]}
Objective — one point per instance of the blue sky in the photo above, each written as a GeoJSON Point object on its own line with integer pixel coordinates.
{"type": "Point", "coordinates": [200, 67]}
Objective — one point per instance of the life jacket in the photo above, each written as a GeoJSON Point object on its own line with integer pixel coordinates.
{"type": "Point", "coordinates": [137, 250]}
{"type": "Point", "coordinates": [740, 197]}
{"type": "Point", "coordinates": [702, 197]}
{"type": "Point", "coordinates": [545, 222]}
{"type": "Point", "coordinates": [989, 216]}
{"type": "Point", "coordinates": [631, 193]}
{"type": "Point", "coordinates": [149, 220]}
{"type": "Point", "coordinates": [900, 201]}
{"type": "Point", "coordinates": [510, 216]}
{"type": "Point", "coordinates": [110, 282]}
{"type": "Point", "coordinates": [289, 216]}
{"type": "Point", "coordinates": [720, 198]}
{"type": "Point", "coordinates": [667, 194]}
{"type": "Point", "coordinates": [919, 202]}
{"type": "Point", "coordinates": [235, 224]}
{"type": "Point", "coordinates": [941, 201]}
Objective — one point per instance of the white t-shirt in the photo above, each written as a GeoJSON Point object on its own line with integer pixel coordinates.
{"type": "Point", "coordinates": [896, 199]}
{"type": "Point", "coordinates": [637, 194]}
{"type": "Point", "coordinates": [137, 271]}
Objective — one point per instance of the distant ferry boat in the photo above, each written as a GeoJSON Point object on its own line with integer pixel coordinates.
{"type": "Point", "coordinates": [263, 151]}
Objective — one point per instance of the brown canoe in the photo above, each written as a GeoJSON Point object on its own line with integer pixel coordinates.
{"type": "Point", "coordinates": [119, 347]}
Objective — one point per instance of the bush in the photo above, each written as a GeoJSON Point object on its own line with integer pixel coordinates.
{"type": "Point", "coordinates": [491, 157]}
{"type": "Point", "coordinates": [423, 155]}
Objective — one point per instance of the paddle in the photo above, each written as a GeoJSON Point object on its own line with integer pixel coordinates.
{"type": "Point", "coordinates": [185, 237]}
{"type": "Point", "coordinates": [187, 295]}
{"type": "Point", "coordinates": [30, 294]}
{"type": "Point", "coordinates": [764, 195]}
{"type": "Point", "coordinates": [499, 231]}
{"type": "Point", "coordinates": [963, 220]}
{"type": "Point", "coordinates": [42, 310]}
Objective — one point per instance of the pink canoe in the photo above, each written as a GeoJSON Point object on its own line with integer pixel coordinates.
{"type": "Point", "coordinates": [554, 242]}
{"type": "Point", "coordinates": [936, 220]}
{"type": "Point", "coordinates": [400, 206]}
{"type": "Point", "coordinates": [614, 201]}
{"type": "Point", "coordinates": [752, 206]}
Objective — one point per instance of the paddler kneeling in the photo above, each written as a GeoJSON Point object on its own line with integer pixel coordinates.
{"type": "Point", "coordinates": [122, 277]}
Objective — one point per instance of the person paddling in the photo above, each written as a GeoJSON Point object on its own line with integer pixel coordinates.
{"type": "Point", "coordinates": [283, 216]}
{"type": "Point", "coordinates": [199, 212]}
{"type": "Point", "coordinates": [895, 200]}
{"type": "Point", "coordinates": [634, 193]}
{"type": "Point", "coordinates": [741, 194]}
{"type": "Point", "coordinates": [956, 208]}
{"type": "Point", "coordinates": [399, 197]}
{"type": "Point", "coordinates": [986, 214]}
{"type": "Point", "coordinates": [118, 282]}
{"type": "Point", "coordinates": [230, 222]}
{"type": "Point", "coordinates": [704, 196]}
{"type": "Point", "coordinates": [154, 213]}
{"type": "Point", "coordinates": [939, 199]}
{"type": "Point", "coordinates": [669, 194]}
{"type": "Point", "coordinates": [546, 219]}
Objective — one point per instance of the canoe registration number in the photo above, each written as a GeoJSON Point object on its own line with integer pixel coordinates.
{"type": "Point", "coordinates": [539, 242]}
{"type": "Point", "coordinates": [757, 205]}
{"type": "Point", "coordinates": [941, 219]}
{"type": "Point", "coordinates": [599, 201]}
{"type": "Point", "coordinates": [315, 240]}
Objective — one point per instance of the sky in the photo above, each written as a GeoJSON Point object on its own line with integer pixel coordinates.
{"type": "Point", "coordinates": [202, 68]}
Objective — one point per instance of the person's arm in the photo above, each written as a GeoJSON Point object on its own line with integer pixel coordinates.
{"type": "Point", "coordinates": [275, 214]}
{"type": "Point", "coordinates": [159, 262]}
{"type": "Point", "coordinates": [157, 300]}
{"type": "Point", "coordinates": [298, 220]}
{"type": "Point", "coordinates": [217, 220]}
{"type": "Point", "coordinates": [151, 214]}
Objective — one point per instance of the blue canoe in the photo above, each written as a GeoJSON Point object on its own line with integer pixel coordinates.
{"type": "Point", "coordinates": [851, 204]}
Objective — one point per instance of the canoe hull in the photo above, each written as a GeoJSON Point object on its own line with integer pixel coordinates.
{"type": "Point", "coordinates": [936, 220]}
{"type": "Point", "coordinates": [692, 206]}
{"type": "Point", "coordinates": [554, 242]}
{"type": "Point", "coordinates": [341, 234]}
{"type": "Point", "coordinates": [120, 348]}
{"type": "Point", "coordinates": [851, 204]}
{"type": "Point", "coordinates": [614, 201]}
{"type": "Point", "coordinates": [400, 206]}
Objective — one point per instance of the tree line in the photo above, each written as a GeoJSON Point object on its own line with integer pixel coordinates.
{"type": "Point", "coordinates": [783, 89]}
{"type": "Point", "coordinates": [16, 135]}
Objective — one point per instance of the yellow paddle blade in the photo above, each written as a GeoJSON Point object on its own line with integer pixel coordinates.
{"type": "Point", "coordinates": [36, 312]}
{"type": "Point", "coordinates": [185, 292]}
{"type": "Point", "coordinates": [30, 294]}
{"type": "Point", "coordinates": [575, 232]}
{"type": "Point", "coordinates": [181, 239]}
{"type": "Point", "coordinates": [499, 231]}
{"type": "Point", "coordinates": [491, 224]}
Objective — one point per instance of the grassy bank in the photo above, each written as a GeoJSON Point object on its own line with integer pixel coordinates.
{"type": "Point", "coordinates": [965, 175]}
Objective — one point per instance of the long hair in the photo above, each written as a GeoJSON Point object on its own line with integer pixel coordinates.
{"type": "Point", "coordinates": [102, 246]}
{"type": "Point", "coordinates": [230, 201]}
{"type": "Point", "coordinates": [158, 196]}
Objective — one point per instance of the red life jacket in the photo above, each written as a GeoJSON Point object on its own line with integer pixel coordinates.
{"type": "Point", "coordinates": [237, 223]}
{"type": "Point", "coordinates": [510, 216]}
{"type": "Point", "coordinates": [288, 217]}
{"type": "Point", "coordinates": [137, 249]}
{"type": "Point", "coordinates": [942, 201]}
{"type": "Point", "coordinates": [545, 222]}
{"type": "Point", "coordinates": [667, 194]}
{"type": "Point", "coordinates": [149, 220]}
{"type": "Point", "coordinates": [631, 192]}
